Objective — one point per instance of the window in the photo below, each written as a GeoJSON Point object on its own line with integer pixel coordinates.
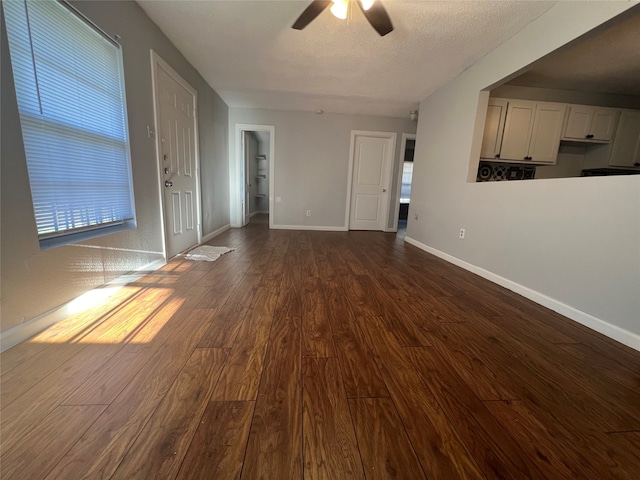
{"type": "Point", "coordinates": [405, 189]}
{"type": "Point", "coordinates": [70, 90]}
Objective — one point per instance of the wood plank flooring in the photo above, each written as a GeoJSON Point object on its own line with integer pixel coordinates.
{"type": "Point", "coordinates": [318, 355]}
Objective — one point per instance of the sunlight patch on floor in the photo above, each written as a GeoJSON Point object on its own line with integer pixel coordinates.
{"type": "Point", "coordinates": [91, 299]}
{"type": "Point", "coordinates": [136, 320]}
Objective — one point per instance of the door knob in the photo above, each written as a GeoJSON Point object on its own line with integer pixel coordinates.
{"type": "Point", "coordinates": [384, 189]}
{"type": "Point", "coordinates": [167, 183]}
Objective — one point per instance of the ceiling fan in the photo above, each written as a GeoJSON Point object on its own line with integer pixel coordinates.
{"type": "Point", "coordinates": [372, 9]}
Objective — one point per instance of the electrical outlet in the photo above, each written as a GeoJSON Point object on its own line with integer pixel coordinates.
{"type": "Point", "coordinates": [462, 232]}
{"type": "Point", "coordinates": [308, 213]}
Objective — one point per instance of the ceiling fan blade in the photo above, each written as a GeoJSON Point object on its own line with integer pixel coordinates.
{"type": "Point", "coordinates": [378, 17]}
{"type": "Point", "coordinates": [310, 13]}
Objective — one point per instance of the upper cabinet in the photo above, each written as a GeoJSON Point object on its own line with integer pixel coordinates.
{"type": "Point", "coordinates": [526, 131]}
{"type": "Point", "coordinates": [547, 130]}
{"type": "Point", "coordinates": [590, 124]}
{"type": "Point", "coordinates": [493, 128]}
{"type": "Point", "coordinates": [517, 130]}
{"type": "Point", "coordinates": [532, 131]}
{"type": "Point", "coordinates": [625, 149]}
{"type": "Point", "coordinates": [626, 146]}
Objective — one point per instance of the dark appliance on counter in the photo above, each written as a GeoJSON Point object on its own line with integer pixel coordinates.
{"type": "Point", "coordinates": [601, 172]}
{"type": "Point", "coordinates": [496, 172]}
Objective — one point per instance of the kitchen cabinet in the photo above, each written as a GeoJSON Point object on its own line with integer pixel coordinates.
{"type": "Point", "coordinates": [624, 151]}
{"type": "Point", "coordinates": [590, 124]}
{"type": "Point", "coordinates": [626, 146]}
{"type": "Point", "coordinates": [493, 128]}
{"type": "Point", "coordinates": [532, 132]}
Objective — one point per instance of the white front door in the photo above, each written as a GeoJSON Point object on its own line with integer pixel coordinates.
{"type": "Point", "coordinates": [179, 179]}
{"type": "Point", "coordinates": [371, 179]}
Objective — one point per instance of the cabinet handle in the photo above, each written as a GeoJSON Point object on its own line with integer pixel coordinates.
{"type": "Point", "coordinates": [590, 136]}
{"type": "Point", "coordinates": [497, 155]}
{"type": "Point", "coordinates": [527, 158]}
{"type": "Point", "coordinates": [637, 164]}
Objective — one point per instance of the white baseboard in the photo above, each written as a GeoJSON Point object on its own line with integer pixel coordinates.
{"type": "Point", "coordinates": [215, 233]}
{"type": "Point", "coordinates": [34, 326]}
{"type": "Point", "coordinates": [621, 335]}
{"type": "Point", "coordinates": [309, 227]}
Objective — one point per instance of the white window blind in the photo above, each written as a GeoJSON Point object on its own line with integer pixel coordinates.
{"type": "Point", "coordinates": [70, 91]}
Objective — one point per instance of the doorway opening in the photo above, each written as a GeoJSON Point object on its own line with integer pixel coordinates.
{"type": "Point", "coordinates": [405, 175]}
{"type": "Point", "coordinates": [255, 168]}
{"type": "Point", "coordinates": [255, 148]}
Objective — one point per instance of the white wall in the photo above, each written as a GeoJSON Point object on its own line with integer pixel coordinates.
{"type": "Point", "coordinates": [311, 162]}
{"type": "Point", "coordinates": [572, 243]}
{"type": "Point", "coordinates": [34, 281]}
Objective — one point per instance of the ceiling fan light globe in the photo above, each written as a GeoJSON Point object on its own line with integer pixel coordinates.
{"type": "Point", "coordinates": [339, 9]}
{"type": "Point", "coordinates": [367, 4]}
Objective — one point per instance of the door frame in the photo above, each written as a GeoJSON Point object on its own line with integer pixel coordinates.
{"type": "Point", "coordinates": [403, 149]}
{"type": "Point", "coordinates": [393, 136]}
{"type": "Point", "coordinates": [158, 63]}
{"type": "Point", "coordinates": [238, 187]}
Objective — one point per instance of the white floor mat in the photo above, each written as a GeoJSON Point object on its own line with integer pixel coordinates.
{"type": "Point", "coordinates": [208, 253]}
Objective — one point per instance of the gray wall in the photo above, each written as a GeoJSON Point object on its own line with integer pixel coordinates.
{"type": "Point", "coordinates": [573, 240]}
{"type": "Point", "coordinates": [34, 281]}
{"type": "Point", "coordinates": [312, 162]}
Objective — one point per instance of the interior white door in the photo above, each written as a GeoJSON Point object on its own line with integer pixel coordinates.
{"type": "Point", "coordinates": [371, 179]}
{"type": "Point", "coordinates": [178, 149]}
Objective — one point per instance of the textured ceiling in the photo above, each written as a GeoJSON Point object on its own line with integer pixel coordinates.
{"type": "Point", "coordinates": [248, 53]}
{"type": "Point", "coordinates": [605, 61]}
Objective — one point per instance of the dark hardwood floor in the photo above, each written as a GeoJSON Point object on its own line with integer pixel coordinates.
{"type": "Point", "coordinates": [318, 355]}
